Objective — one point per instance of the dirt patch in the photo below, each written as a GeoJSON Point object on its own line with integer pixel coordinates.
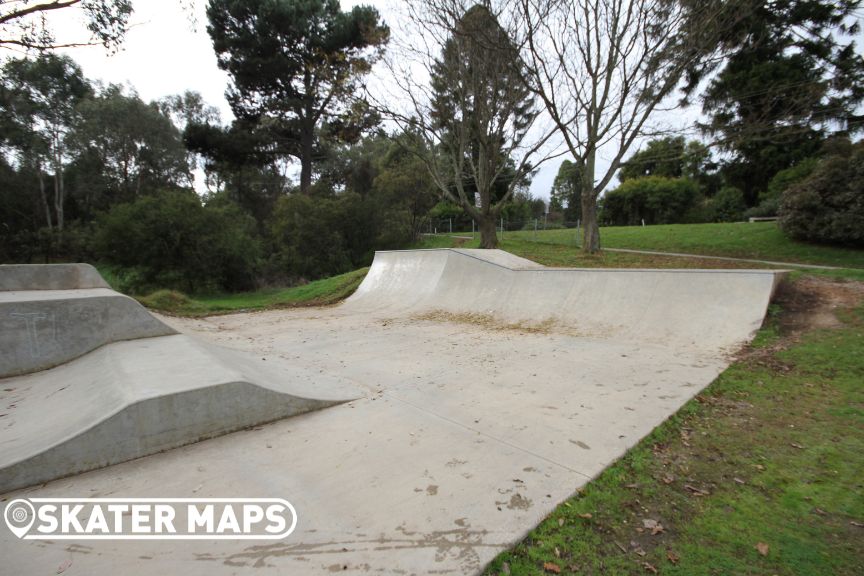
{"type": "Point", "coordinates": [487, 321]}
{"type": "Point", "coordinates": [812, 303]}
{"type": "Point", "coordinates": [808, 303]}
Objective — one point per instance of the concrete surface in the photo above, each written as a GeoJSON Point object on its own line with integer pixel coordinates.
{"type": "Point", "coordinates": [472, 427]}
{"type": "Point", "coordinates": [40, 329]}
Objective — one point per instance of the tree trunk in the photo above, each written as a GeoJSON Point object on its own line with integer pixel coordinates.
{"type": "Point", "coordinates": [590, 230]}
{"type": "Point", "coordinates": [59, 191]}
{"type": "Point", "coordinates": [44, 197]}
{"type": "Point", "coordinates": [306, 143]}
{"type": "Point", "coordinates": [488, 235]}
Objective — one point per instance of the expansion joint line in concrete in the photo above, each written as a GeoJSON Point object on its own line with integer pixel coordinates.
{"type": "Point", "coordinates": [487, 435]}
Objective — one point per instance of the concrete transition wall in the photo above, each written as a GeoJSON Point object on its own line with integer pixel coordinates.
{"type": "Point", "coordinates": [703, 309]}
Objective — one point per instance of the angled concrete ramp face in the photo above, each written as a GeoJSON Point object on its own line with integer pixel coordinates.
{"type": "Point", "coordinates": [40, 329]}
{"type": "Point", "coordinates": [131, 399]}
{"type": "Point", "coordinates": [91, 378]}
{"type": "Point", "coordinates": [702, 309]}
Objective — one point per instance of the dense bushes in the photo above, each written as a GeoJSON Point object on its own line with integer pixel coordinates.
{"type": "Point", "coordinates": [727, 205]}
{"type": "Point", "coordinates": [828, 205]}
{"type": "Point", "coordinates": [307, 240]}
{"type": "Point", "coordinates": [171, 240]}
{"type": "Point", "coordinates": [654, 199]}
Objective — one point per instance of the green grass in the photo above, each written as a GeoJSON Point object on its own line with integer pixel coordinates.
{"type": "Point", "coordinates": [317, 293]}
{"type": "Point", "coordinates": [558, 248]}
{"type": "Point", "coordinates": [772, 452]}
{"type": "Point", "coordinates": [758, 240]}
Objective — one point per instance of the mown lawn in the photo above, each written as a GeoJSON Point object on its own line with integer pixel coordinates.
{"type": "Point", "coordinates": [317, 293]}
{"type": "Point", "coordinates": [552, 254]}
{"type": "Point", "coordinates": [763, 473]}
{"type": "Point", "coordinates": [759, 240]}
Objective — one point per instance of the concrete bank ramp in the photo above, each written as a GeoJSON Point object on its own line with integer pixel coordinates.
{"type": "Point", "coordinates": [131, 399]}
{"type": "Point", "coordinates": [90, 378]}
{"type": "Point", "coordinates": [702, 309]}
{"type": "Point", "coordinates": [53, 313]}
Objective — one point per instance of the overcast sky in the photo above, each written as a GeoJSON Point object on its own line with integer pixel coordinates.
{"type": "Point", "coordinates": [168, 51]}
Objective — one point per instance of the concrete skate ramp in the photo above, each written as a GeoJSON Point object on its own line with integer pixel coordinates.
{"type": "Point", "coordinates": [131, 399]}
{"type": "Point", "coordinates": [49, 277]}
{"type": "Point", "coordinates": [40, 329]}
{"type": "Point", "coordinates": [704, 309]}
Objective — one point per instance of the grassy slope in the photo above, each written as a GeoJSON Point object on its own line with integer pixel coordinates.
{"type": "Point", "coordinates": [769, 453]}
{"type": "Point", "coordinates": [557, 248]}
{"type": "Point", "coordinates": [318, 293]}
{"type": "Point", "coordinates": [760, 240]}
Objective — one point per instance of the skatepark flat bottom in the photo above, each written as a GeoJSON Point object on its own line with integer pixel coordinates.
{"type": "Point", "coordinates": [467, 435]}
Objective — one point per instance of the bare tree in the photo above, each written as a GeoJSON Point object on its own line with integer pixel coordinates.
{"type": "Point", "coordinates": [23, 23]}
{"type": "Point", "coordinates": [471, 118]}
{"type": "Point", "coordinates": [602, 67]}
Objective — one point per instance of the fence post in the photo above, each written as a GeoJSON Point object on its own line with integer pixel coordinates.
{"type": "Point", "coordinates": [451, 225]}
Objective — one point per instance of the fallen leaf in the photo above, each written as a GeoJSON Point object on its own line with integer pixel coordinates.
{"type": "Point", "coordinates": [795, 445]}
{"type": "Point", "coordinates": [672, 557]}
{"type": "Point", "coordinates": [586, 515]}
{"type": "Point", "coordinates": [762, 548]}
{"type": "Point", "coordinates": [621, 547]}
{"type": "Point", "coordinates": [560, 521]}
{"type": "Point", "coordinates": [640, 551]}
{"type": "Point", "coordinates": [819, 511]}
{"type": "Point", "coordinates": [649, 567]}
{"type": "Point", "coordinates": [856, 524]}
{"type": "Point", "coordinates": [551, 567]}
{"type": "Point", "coordinates": [739, 481]}
{"type": "Point", "coordinates": [668, 479]}
{"type": "Point", "coordinates": [696, 491]}
{"type": "Point", "coordinates": [631, 486]}
{"type": "Point", "coordinates": [557, 552]}
{"type": "Point", "coordinates": [759, 467]}
{"type": "Point", "coordinates": [649, 523]}
{"type": "Point", "coordinates": [64, 566]}
{"type": "Point", "coordinates": [657, 529]}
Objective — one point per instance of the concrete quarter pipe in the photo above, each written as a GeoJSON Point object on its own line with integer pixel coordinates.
{"type": "Point", "coordinates": [492, 388]}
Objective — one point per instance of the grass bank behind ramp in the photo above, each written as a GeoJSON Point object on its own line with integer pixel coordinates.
{"type": "Point", "coordinates": [762, 473]}
{"type": "Point", "coordinates": [318, 293]}
{"type": "Point", "coordinates": [757, 240]}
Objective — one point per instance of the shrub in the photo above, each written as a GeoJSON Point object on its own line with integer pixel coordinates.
{"type": "Point", "coordinates": [170, 301]}
{"type": "Point", "coordinates": [828, 205]}
{"type": "Point", "coordinates": [728, 205]}
{"type": "Point", "coordinates": [309, 239]}
{"type": "Point", "coordinates": [655, 199]}
{"type": "Point", "coordinates": [173, 241]}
